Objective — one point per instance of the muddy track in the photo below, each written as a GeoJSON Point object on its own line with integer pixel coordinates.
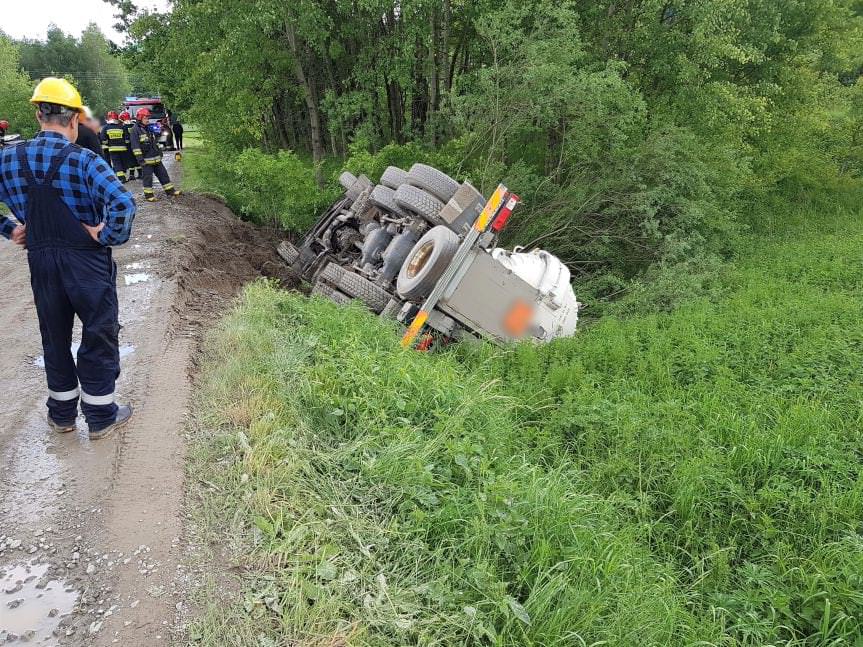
{"type": "Point", "coordinates": [92, 533]}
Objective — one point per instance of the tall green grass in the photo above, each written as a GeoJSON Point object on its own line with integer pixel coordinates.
{"type": "Point", "coordinates": [670, 479]}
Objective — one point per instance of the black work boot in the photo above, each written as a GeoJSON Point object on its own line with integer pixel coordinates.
{"type": "Point", "coordinates": [124, 414]}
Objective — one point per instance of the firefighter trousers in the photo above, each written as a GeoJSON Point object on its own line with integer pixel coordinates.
{"type": "Point", "coordinates": [118, 163]}
{"type": "Point", "coordinates": [131, 165]}
{"type": "Point", "coordinates": [158, 169]}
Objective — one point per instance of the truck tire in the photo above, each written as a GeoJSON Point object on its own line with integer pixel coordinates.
{"type": "Point", "coordinates": [420, 202]}
{"type": "Point", "coordinates": [394, 177]}
{"type": "Point", "coordinates": [332, 274]}
{"type": "Point", "coordinates": [324, 290]}
{"type": "Point", "coordinates": [383, 197]}
{"type": "Point", "coordinates": [288, 252]}
{"type": "Point", "coordinates": [392, 309]}
{"type": "Point", "coordinates": [426, 263]}
{"type": "Point", "coordinates": [375, 297]}
{"type": "Point", "coordinates": [358, 187]}
{"type": "Point", "coordinates": [438, 183]}
{"type": "Point", "coordinates": [347, 180]}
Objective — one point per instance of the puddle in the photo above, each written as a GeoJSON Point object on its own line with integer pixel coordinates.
{"type": "Point", "coordinates": [135, 266]}
{"type": "Point", "coordinates": [141, 277]}
{"type": "Point", "coordinates": [33, 483]}
{"type": "Point", "coordinates": [125, 351]}
{"type": "Point", "coordinates": [39, 604]}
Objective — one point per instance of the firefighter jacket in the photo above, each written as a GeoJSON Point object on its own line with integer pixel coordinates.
{"type": "Point", "coordinates": [113, 137]}
{"type": "Point", "coordinates": [145, 146]}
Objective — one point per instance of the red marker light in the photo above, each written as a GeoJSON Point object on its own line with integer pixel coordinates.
{"type": "Point", "coordinates": [502, 217]}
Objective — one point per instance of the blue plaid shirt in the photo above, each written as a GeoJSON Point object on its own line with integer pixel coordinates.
{"type": "Point", "coordinates": [86, 183]}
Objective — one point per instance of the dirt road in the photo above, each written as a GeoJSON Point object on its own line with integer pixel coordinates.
{"type": "Point", "coordinates": [92, 533]}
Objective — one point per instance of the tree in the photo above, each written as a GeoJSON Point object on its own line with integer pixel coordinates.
{"type": "Point", "coordinates": [15, 90]}
{"type": "Point", "coordinates": [100, 76]}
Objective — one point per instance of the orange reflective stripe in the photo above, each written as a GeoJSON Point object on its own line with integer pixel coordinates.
{"type": "Point", "coordinates": [491, 208]}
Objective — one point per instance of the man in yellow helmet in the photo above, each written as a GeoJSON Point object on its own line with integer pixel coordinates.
{"type": "Point", "coordinates": [70, 209]}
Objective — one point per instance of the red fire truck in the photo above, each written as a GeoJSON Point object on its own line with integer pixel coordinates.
{"type": "Point", "coordinates": [158, 112]}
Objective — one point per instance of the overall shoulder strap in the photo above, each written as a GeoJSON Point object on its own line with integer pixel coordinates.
{"type": "Point", "coordinates": [57, 162]}
{"type": "Point", "coordinates": [21, 152]}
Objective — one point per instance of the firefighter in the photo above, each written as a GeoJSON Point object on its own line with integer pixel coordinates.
{"type": "Point", "coordinates": [148, 152]}
{"type": "Point", "coordinates": [113, 137]}
{"type": "Point", "coordinates": [132, 168]}
{"type": "Point", "coordinates": [70, 209]}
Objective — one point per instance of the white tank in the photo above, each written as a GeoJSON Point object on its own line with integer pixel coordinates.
{"type": "Point", "coordinates": [557, 313]}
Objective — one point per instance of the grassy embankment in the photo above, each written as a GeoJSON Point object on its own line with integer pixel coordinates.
{"type": "Point", "coordinates": [675, 479]}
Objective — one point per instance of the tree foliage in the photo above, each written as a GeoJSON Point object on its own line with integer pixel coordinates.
{"type": "Point", "coordinates": [15, 90]}
{"type": "Point", "coordinates": [89, 61]}
{"type": "Point", "coordinates": [638, 131]}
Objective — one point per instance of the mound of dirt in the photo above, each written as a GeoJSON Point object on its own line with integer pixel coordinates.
{"type": "Point", "coordinates": [219, 255]}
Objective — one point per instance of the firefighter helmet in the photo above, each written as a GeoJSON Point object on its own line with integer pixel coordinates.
{"type": "Point", "coordinates": [4, 124]}
{"type": "Point", "coordinates": [143, 112]}
{"type": "Point", "coordinates": [112, 116]}
{"type": "Point", "coordinates": [59, 92]}
{"type": "Point", "coordinates": [125, 116]}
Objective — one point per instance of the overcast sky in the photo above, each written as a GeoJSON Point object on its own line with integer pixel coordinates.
{"type": "Point", "coordinates": [30, 18]}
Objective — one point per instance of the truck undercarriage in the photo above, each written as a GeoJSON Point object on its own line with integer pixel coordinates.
{"type": "Point", "coordinates": [421, 247]}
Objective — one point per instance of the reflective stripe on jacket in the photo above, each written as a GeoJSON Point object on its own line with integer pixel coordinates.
{"type": "Point", "coordinates": [144, 145]}
{"type": "Point", "coordinates": [113, 138]}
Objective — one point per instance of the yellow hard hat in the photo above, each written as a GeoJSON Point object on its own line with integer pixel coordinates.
{"type": "Point", "coordinates": [57, 91]}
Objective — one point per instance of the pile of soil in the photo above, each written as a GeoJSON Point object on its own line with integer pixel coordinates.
{"type": "Point", "coordinates": [219, 255]}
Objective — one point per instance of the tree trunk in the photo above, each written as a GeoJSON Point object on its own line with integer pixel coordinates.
{"type": "Point", "coordinates": [311, 105]}
{"type": "Point", "coordinates": [434, 83]}
{"type": "Point", "coordinates": [419, 99]}
{"type": "Point", "coordinates": [396, 109]}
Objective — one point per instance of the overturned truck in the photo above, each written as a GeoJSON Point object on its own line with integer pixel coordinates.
{"type": "Point", "coordinates": [421, 247]}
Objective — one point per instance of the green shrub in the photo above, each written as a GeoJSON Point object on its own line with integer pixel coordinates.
{"type": "Point", "coordinates": [403, 156]}
{"type": "Point", "coordinates": [274, 188]}
{"type": "Point", "coordinates": [278, 187]}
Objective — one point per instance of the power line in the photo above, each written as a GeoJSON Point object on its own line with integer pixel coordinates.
{"type": "Point", "coordinates": [79, 75]}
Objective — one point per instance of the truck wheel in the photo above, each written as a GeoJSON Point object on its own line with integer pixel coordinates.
{"type": "Point", "coordinates": [347, 180]}
{"type": "Point", "coordinates": [392, 309]}
{"type": "Point", "coordinates": [324, 290]}
{"type": "Point", "coordinates": [288, 252]}
{"type": "Point", "coordinates": [428, 178]}
{"type": "Point", "coordinates": [426, 263]}
{"type": "Point", "coordinates": [384, 198]}
{"type": "Point", "coordinates": [332, 274]}
{"type": "Point", "coordinates": [420, 202]}
{"type": "Point", "coordinates": [375, 297]}
{"type": "Point", "coordinates": [358, 187]}
{"type": "Point", "coordinates": [394, 177]}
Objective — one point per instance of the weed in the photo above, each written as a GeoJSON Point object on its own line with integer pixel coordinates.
{"type": "Point", "coordinates": [690, 477]}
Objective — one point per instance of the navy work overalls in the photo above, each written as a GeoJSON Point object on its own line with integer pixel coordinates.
{"type": "Point", "coordinates": [71, 274]}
